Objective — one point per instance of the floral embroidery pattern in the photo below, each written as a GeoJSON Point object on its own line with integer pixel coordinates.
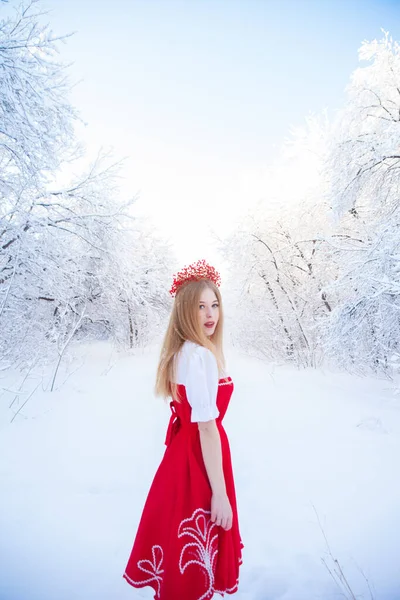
{"type": "Point", "coordinates": [152, 568]}
{"type": "Point", "coordinates": [203, 550]}
{"type": "Point", "coordinates": [229, 590]}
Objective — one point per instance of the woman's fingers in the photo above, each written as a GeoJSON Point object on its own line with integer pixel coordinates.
{"type": "Point", "coordinates": [216, 517]}
{"type": "Point", "coordinates": [227, 524]}
{"type": "Point", "coordinates": [221, 516]}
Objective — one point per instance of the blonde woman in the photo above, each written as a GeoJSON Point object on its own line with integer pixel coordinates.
{"type": "Point", "coordinates": [188, 544]}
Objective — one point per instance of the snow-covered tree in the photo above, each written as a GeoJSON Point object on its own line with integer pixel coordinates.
{"type": "Point", "coordinates": [313, 287]}
{"type": "Point", "coordinates": [278, 272]}
{"type": "Point", "coordinates": [364, 168]}
{"type": "Point", "coordinates": [75, 260]}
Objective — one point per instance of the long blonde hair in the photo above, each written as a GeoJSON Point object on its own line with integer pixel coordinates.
{"type": "Point", "coordinates": [184, 325]}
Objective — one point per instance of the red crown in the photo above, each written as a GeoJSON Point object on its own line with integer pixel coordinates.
{"type": "Point", "coordinates": [195, 272]}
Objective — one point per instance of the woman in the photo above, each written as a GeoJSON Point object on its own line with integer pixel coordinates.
{"type": "Point", "coordinates": [188, 544]}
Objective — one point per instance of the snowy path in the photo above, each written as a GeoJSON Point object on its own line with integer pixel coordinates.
{"type": "Point", "coordinates": [75, 473]}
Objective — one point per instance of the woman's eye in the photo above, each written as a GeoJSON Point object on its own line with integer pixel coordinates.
{"type": "Point", "coordinates": [214, 305]}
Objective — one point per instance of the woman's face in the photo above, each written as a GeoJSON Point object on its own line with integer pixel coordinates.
{"type": "Point", "coordinates": [208, 311]}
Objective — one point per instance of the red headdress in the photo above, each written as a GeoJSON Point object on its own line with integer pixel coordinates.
{"type": "Point", "coordinates": [195, 272]}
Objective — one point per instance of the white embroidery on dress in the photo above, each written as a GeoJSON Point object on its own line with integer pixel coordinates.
{"type": "Point", "coordinates": [228, 590]}
{"type": "Point", "coordinates": [203, 550]}
{"type": "Point", "coordinates": [153, 569]}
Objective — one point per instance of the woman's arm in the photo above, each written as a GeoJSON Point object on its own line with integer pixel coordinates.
{"type": "Point", "coordinates": [201, 383]}
{"type": "Point", "coordinates": [210, 441]}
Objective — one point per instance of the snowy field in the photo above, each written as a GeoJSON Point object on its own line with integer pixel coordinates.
{"type": "Point", "coordinates": [313, 453]}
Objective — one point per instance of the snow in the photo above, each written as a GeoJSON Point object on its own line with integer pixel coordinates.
{"type": "Point", "coordinates": [307, 446]}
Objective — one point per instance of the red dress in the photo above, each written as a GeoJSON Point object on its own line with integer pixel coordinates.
{"type": "Point", "coordinates": [178, 550]}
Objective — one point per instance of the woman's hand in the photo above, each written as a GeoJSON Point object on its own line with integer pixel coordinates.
{"type": "Point", "coordinates": [221, 510]}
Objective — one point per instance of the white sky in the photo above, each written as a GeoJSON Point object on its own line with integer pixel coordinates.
{"type": "Point", "coordinates": [199, 94]}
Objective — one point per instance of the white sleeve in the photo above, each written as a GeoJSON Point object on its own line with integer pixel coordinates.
{"type": "Point", "coordinates": [202, 385]}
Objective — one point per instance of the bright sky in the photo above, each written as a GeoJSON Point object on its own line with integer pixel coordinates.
{"type": "Point", "coordinates": [200, 94]}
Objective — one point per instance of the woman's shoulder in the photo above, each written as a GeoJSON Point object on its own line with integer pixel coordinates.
{"type": "Point", "coordinates": [195, 356]}
{"type": "Point", "coordinates": [190, 348]}
{"type": "Point", "coordinates": [191, 358]}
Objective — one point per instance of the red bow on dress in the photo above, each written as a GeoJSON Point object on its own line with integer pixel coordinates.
{"type": "Point", "coordinates": [174, 425]}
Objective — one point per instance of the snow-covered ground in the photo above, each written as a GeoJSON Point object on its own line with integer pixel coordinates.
{"type": "Point", "coordinates": [314, 453]}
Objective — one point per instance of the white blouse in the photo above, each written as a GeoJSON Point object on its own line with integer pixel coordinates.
{"type": "Point", "coordinates": [197, 370]}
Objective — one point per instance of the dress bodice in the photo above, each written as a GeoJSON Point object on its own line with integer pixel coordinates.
{"type": "Point", "coordinates": [181, 411]}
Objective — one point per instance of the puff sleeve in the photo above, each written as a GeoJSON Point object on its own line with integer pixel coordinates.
{"type": "Point", "coordinates": [202, 385]}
